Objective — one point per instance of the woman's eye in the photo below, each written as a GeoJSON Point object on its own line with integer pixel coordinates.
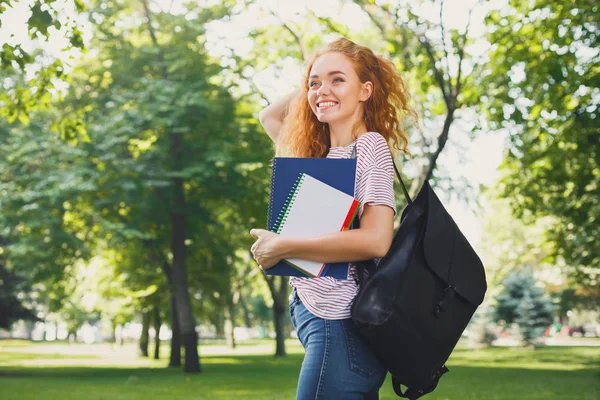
{"type": "Point", "coordinates": [312, 84]}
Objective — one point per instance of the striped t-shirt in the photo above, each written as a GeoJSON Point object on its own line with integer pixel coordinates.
{"type": "Point", "coordinates": [331, 298]}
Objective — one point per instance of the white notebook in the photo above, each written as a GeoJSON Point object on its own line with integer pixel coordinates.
{"type": "Point", "coordinates": [313, 209]}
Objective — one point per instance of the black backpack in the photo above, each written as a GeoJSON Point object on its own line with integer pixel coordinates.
{"type": "Point", "coordinates": [419, 298]}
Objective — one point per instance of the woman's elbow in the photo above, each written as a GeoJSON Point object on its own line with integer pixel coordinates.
{"type": "Point", "coordinates": [381, 248]}
{"type": "Point", "coordinates": [264, 115]}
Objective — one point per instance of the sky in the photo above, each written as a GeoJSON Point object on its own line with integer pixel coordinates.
{"type": "Point", "coordinates": [482, 155]}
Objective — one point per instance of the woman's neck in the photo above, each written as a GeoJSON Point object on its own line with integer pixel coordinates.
{"type": "Point", "coordinates": [340, 134]}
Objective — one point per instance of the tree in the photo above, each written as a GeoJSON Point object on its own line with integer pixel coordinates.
{"type": "Point", "coordinates": [524, 303]}
{"type": "Point", "coordinates": [11, 307]}
{"type": "Point", "coordinates": [531, 321]}
{"type": "Point", "coordinates": [177, 181]}
{"type": "Point", "coordinates": [507, 243]}
{"type": "Point", "coordinates": [44, 228]}
{"type": "Point", "coordinates": [540, 82]}
{"type": "Point", "coordinates": [575, 299]}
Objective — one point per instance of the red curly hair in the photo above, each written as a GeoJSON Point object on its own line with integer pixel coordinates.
{"type": "Point", "coordinates": [303, 135]}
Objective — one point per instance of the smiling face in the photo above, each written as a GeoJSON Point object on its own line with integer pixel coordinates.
{"type": "Point", "coordinates": [335, 92]}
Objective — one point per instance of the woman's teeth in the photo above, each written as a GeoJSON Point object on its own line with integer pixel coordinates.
{"type": "Point", "coordinates": [327, 104]}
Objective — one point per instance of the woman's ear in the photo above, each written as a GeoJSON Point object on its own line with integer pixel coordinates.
{"type": "Point", "coordinates": [366, 91]}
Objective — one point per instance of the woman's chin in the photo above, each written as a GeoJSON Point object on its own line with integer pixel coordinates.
{"type": "Point", "coordinates": [324, 118]}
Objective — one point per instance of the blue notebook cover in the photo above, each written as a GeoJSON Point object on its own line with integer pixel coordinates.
{"type": "Point", "coordinates": [339, 173]}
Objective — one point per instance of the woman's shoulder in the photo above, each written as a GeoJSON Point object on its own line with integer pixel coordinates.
{"type": "Point", "coordinates": [371, 137]}
{"type": "Point", "coordinates": [372, 144]}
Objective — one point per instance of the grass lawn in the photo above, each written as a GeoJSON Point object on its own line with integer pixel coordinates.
{"type": "Point", "coordinates": [78, 371]}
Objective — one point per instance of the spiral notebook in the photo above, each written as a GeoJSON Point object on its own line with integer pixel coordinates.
{"type": "Point", "coordinates": [338, 173]}
{"type": "Point", "coordinates": [314, 209]}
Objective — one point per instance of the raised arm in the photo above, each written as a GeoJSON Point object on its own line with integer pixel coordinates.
{"type": "Point", "coordinates": [271, 117]}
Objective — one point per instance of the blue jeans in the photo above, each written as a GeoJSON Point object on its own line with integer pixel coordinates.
{"type": "Point", "coordinates": [337, 364]}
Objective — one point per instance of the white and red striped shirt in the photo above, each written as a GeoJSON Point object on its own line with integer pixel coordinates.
{"type": "Point", "coordinates": [331, 298]}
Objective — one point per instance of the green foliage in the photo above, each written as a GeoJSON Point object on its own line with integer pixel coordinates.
{"type": "Point", "coordinates": [111, 195]}
{"type": "Point", "coordinates": [507, 243]}
{"type": "Point", "coordinates": [524, 303]}
{"type": "Point", "coordinates": [531, 320]}
{"type": "Point", "coordinates": [137, 95]}
{"type": "Point", "coordinates": [41, 19]}
{"type": "Point", "coordinates": [540, 84]}
{"type": "Point", "coordinates": [581, 299]}
{"type": "Point", "coordinates": [44, 225]}
{"type": "Point", "coordinates": [18, 98]}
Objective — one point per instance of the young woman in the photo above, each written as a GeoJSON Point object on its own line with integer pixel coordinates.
{"type": "Point", "coordinates": [350, 98]}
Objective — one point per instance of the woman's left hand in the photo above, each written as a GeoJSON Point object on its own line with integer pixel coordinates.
{"type": "Point", "coordinates": [267, 250]}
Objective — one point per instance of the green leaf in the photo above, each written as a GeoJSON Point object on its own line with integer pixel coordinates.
{"type": "Point", "coordinates": [40, 19]}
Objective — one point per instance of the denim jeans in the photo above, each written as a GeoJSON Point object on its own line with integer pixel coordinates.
{"type": "Point", "coordinates": [337, 364]}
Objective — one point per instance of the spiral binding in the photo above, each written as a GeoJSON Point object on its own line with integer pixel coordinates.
{"type": "Point", "coordinates": [285, 211]}
{"type": "Point", "coordinates": [270, 207]}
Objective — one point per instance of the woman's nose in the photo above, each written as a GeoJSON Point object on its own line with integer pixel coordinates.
{"type": "Point", "coordinates": [323, 89]}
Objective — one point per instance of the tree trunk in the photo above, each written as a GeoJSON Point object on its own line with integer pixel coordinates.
{"type": "Point", "coordinates": [30, 325]}
{"type": "Point", "coordinates": [157, 324]}
{"type": "Point", "coordinates": [175, 357]}
{"type": "Point", "coordinates": [230, 324]}
{"type": "Point", "coordinates": [144, 337]}
{"type": "Point", "coordinates": [187, 323]}
{"type": "Point", "coordinates": [245, 311]}
{"type": "Point", "coordinates": [119, 337]}
{"type": "Point", "coordinates": [442, 139]}
{"type": "Point", "coordinates": [279, 314]}
{"type": "Point", "coordinates": [113, 333]}
{"type": "Point", "coordinates": [279, 290]}
{"type": "Point", "coordinates": [220, 324]}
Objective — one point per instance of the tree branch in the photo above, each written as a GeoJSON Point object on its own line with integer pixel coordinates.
{"type": "Point", "coordinates": [461, 51]}
{"type": "Point", "coordinates": [291, 31]}
{"type": "Point", "coordinates": [447, 59]}
{"type": "Point", "coordinates": [442, 139]}
{"type": "Point", "coordinates": [371, 11]}
{"type": "Point", "coordinates": [438, 75]}
{"type": "Point", "coordinates": [163, 65]}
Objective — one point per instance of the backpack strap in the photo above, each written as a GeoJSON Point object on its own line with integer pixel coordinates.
{"type": "Point", "coordinates": [368, 265]}
{"type": "Point", "coordinates": [412, 393]}
{"type": "Point", "coordinates": [355, 225]}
